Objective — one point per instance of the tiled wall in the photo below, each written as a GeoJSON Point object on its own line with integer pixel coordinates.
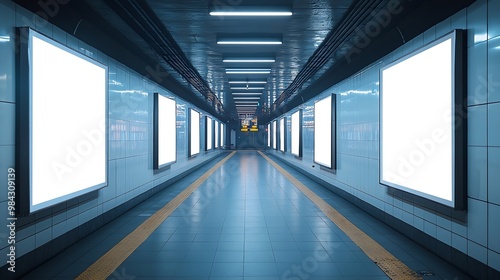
{"type": "Point", "coordinates": [358, 138]}
{"type": "Point", "coordinates": [130, 165]}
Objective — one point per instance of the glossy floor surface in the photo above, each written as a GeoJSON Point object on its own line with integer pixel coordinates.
{"type": "Point", "coordinates": [246, 221]}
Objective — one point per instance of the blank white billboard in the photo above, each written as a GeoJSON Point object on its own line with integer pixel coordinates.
{"type": "Point", "coordinates": [418, 99]}
{"type": "Point", "coordinates": [64, 122]}
{"type": "Point", "coordinates": [208, 133]}
{"type": "Point", "coordinates": [324, 141]}
{"type": "Point", "coordinates": [282, 135]}
{"type": "Point", "coordinates": [165, 131]}
{"type": "Point", "coordinates": [194, 132]}
{"type": "Point", "coordinates": [296, 134]}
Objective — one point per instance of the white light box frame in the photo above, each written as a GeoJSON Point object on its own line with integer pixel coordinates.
{"type": "Point", "coordinates": [325, 144]}
{"type": "Point", "coordinates": [194, 133]}
{"type": "Point", "coordinates": [423, 122]}
{"type": "Point", "coordinates": [62, 123]}
{"type": "Point", "coordinates": [165, 131]}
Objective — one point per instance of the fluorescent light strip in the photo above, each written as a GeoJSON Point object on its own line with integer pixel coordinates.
{"type": "Point", "coordinates": [247, 93]}
{"type": "Point", "coordinates": [248, 72]}
{"type": "Point", "coordinates": [249, 42]}
{"type": "Point", "coordinates": [252, 14]}
{"type": "Point", "coordinates": [249, 60]}
{"type": "Point", "coordinates": [247, 88]}
{"type": "Point", "coordinates": [248, 82]}
{"type": "Point", "coordinates": [246, 98]}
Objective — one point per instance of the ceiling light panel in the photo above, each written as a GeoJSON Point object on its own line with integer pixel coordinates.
{"type": "Point", "coordinates": [252, 13]}
{"type": "Point", "coordinates": [247, 88]}
{"type": "Point", "coordinates": [249, 42]}
{"type": "Point", "coordinates": [249, 60]}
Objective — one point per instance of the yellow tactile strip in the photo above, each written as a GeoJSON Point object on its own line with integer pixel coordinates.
{"type": "Point", "coordinates": [391, 266]}
{"type": "Point", "coordinates": [109, 262]}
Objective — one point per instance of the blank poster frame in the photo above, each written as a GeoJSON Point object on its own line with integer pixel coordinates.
{"type": "Point", "coordinates": [269, 135]}
{"type": "Point", "coordinates": [158, 132]}
{"type": "Point", "coordinates": [331, 165]}
{"type": "Point", "coordinates": [29, 155]}
{"type": "Point", "coordinates": [194, 132]}
{"type": "Point", "coordinates": [275, 136]}
{"type": "Point", "coordinates": [296, 134]}
{"type": "Point", "coordinates": [209, 133]}
{"type": "Point", "coordinates": [458, 124]}
{"type": "Point", "coordinates": [216, 134]}
{"type": "Point", "coordinates": [282, 135]}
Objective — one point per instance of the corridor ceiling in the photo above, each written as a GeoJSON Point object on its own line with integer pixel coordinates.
{"type": "Point", "coordinates": [319, 42]}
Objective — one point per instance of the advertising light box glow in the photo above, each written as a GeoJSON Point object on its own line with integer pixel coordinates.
{"type": "Point", "coordinates": [421, 136]}
{"type": "Point", "coordinates": [222, 135]}
{"type": "Point", "coordinates": [62, 123]}
{"type": "Point", "coordinates": [269, 135]}
{"type": "Point", "coordinates": [194, 132]}
{"type": "Point", "coordinates": [296, 134]}
{"type": "Point", "coordinates": [324, 132]}
{"type": "Point", "coordinates": [275, 135]}
{"type": "Point", "coordinates": [208, 133]}
{"type": "Point", "coordinates": [282, 135]}
{"type": "Point", "coordinates": [165, 140]}
{"type": "Point", "coordinates": [216, 131]}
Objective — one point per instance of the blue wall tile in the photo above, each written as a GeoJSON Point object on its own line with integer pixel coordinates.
{"type": "Point", "coordinates": [477, 125]}
{"type": "Point", "coordinates": [494, 227]}
{"type": "Point", "coordinates": [493, 127]}
{"type": "Point", "coordinates": [477, 221]}
{"type": "Point", "coordinates": [494, 175]}
{"type": "Point", "coordinates": [493, 19]}
{"type": "Point", "coordinates": [494, 69]}
{"type": "Point", "coordinates": [477, 87]}
{"type": "Point", "coordinates": [477, 179]}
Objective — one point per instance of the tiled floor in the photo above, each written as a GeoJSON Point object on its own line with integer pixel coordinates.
{"type": "Point", "coordinates": [245, 222]}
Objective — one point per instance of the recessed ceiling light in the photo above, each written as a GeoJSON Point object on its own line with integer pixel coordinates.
{"type": "Point", "coordinates": [249, 60]}
{"type": "Point", "coordinates": [249, 42]}
{"type": "Point", "coordinates": [247, 82]}
{"type": "Point", "coordinates": [246, 98]}
{"type": "Point", "coordinates": [249, 72]}
{"type": "Point", "coordinates": [247, 93]}
{"type": "Point", "coordinates": [252, 14]}
{"type": "Point", "coordinates": [247, 88]}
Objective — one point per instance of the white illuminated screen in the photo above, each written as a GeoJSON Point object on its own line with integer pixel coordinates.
{"type": "Point", "coordinates": [194, 127]}
{"type": "Point", "coordinates": [275, 135]}
{"type": "Point", "coordinates": [323, 132]}
{"type": "Point", "coordinates": [216, 130]}
{"type": "Point", "coordinates": [68, 123]}
{"type": "Point", "coordinates": [167, 138]}
{"type": "Point", "coordinates": [222, 135]}
{"type": "Point", "coordinates": [295, 133]}
{"type": "Point", "coordinates": [282, 135]}
{"type": "Point", "coordinates": [269, 135]}
{"type": "Point", "coordinates": [209, 133]}
{"type": "Point", "coordinates": [417, 97]}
